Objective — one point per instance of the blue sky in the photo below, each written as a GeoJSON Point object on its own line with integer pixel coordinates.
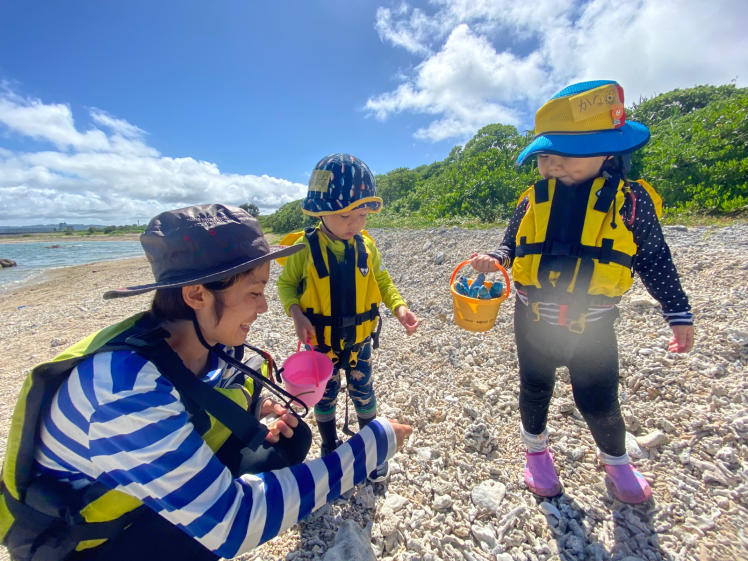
{"type": "Point", "coordinates": [111, 112]}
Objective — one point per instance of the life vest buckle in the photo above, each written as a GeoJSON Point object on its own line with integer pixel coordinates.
{"type": "Point", "coordinates": [556, 247]}
{"type": "Point", "coordinates": [345, 321]}
{"type": "Point", "coordinates": [535, 307]}
{"type": "Point", "coordinates": [577, 326]}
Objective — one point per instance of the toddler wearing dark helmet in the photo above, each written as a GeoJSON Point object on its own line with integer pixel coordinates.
{"type": "Point", "coordinates": [333, 287]}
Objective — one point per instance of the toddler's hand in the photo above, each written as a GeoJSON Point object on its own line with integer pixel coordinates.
{"type": "Point", "coordinates": [302, 325]}
{"type": "Point", "coordinates": [483, 263]}
{"type": "Point", "coordinates": [408, 319]}
{"type": "Point", "coordinates": [682, 340]}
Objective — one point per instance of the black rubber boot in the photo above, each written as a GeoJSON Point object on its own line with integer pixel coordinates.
{"type": "Point", "coordinates": [329, 434]}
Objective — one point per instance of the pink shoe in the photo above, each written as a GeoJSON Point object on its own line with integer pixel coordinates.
{"type": "Point", "coordinates": [627, 484]}
{"type": "Point", "coordinates": [540, 475]}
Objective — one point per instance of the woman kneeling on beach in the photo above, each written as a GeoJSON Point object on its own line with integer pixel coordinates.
{"type": "Point", "coordinates": [143, 441]}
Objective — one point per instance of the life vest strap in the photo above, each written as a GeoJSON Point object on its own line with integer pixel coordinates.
{"type": "Point", "coordinates": [342, 322]}
{"type": "Point", "coordinates": [312, 235]}
{"type": "Point", "coordinates": [245, 427]}
{"type": "Point", "coordinates": [320, 321]}
{"type": "Point", "coordinates": [604, 254]}
{"type": "Point", "coordinates": [607, 194]}
{"type": "Point", "coordinates": [361, 255]}
{"type": "Point", "coordinates": [541, 191]}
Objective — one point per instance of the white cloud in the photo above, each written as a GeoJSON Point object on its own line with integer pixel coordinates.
{"type": "Point", "coordinates": [119, 126]}
{"type": "Point", "coordinates": [411, 34]}
{"type": "Point", "coordinates": [467, 83]}
{"type": "Point", "coordinates": [485, 61]}
{"type": "Point", "coordinates": [51, 123]}
{"type": "Point", "coordinates": [108, 174]}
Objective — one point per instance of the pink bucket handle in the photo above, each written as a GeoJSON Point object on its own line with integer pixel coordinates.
{"type": "Point", "coordinates": [316, 366]}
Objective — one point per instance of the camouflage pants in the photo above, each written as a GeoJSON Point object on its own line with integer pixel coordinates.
{"type": "Point", "coordinates": [360, 388]}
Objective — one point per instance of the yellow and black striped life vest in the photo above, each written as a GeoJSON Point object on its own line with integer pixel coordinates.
{"type": "Point", "coordinates": [340, 298]}
{"type": "Point", "coordinates": [573, 248]}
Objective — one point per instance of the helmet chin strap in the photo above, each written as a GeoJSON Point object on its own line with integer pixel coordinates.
{"type": "Point", "coordinates": [199, 333]}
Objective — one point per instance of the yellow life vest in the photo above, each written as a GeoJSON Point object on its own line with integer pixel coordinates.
{"type": "Point", "coordinates": [654, 195]}
{"type": "Point", "coordinates": [38, 516]}
{"type": "Point", "coordinates": [340, 298]}
{"type": "Point", "coordinates": [576, 252]}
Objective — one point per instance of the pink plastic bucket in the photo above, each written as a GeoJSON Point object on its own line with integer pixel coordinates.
{"type": "Point", "coordinates": [305, 375]}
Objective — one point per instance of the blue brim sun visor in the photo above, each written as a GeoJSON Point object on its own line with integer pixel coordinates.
{"type": "Point", "coordinates": [629, 137]}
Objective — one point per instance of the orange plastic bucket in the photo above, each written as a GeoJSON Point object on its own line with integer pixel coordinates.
{"type": "Point", "coordinates": [305, 375]}
{"type": "Point", "coordinates": [475, 314]}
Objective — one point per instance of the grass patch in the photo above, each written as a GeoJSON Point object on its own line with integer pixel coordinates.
{"type": "Point", "coordinates": [417, 222]}
{"type": "Point", "coordinates": [686, 218]}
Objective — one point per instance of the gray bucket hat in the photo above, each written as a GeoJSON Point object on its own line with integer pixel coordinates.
{"type": "Point", "coordinates": [201, 244]}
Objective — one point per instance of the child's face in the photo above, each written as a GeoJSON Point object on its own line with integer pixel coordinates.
{"type": "Point", "coordinates": [567, 170]}
{"type": "Point", "coordinates": [345, 226]}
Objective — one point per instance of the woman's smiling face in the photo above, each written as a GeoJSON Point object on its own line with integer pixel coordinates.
{"type": "Point", "coordinates": [235, 308]}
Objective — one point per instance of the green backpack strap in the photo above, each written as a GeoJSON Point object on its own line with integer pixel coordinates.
{"type": "Point", "coordinates": [40, 534]}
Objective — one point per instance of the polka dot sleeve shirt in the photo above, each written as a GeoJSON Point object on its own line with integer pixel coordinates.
{"type": "Point", "coordinates": [653, 262]}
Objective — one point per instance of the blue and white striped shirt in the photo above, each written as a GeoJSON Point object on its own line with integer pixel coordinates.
{"type": "Point", "coordinates": [118, 421]}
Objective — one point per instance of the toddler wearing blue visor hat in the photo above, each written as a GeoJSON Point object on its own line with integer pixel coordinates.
{"type": "Point", "coordinates": [574, 242]}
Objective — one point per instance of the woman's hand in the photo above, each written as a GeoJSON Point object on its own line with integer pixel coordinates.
{"type": "Point", "coordinates": [283, 424]}
{"type": "Point", "coordinates": [483, 263]}
{"type": "Point", "coordinates": [401, 432]}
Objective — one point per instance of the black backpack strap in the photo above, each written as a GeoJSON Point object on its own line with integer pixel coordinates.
{"type": "Point", "coordinates": [45, 535]}
{"type": "Point", "coordinates": [240, 422]}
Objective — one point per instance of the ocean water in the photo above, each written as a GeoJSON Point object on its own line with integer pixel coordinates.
{"type": "Point", "coordinates": [34, 258]}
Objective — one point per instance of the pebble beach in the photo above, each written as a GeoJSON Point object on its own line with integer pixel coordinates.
{"type": "Point", "coordinates": [456, 490]}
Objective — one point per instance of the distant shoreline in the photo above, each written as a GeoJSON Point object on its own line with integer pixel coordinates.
{"type": "Point", "coordinates": [43, 275]}
{"type": "Point", "coordinates": [45, 237]}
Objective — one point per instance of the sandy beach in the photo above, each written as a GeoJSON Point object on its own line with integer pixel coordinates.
{"type": "Point", "coordinates": [687, 415]}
